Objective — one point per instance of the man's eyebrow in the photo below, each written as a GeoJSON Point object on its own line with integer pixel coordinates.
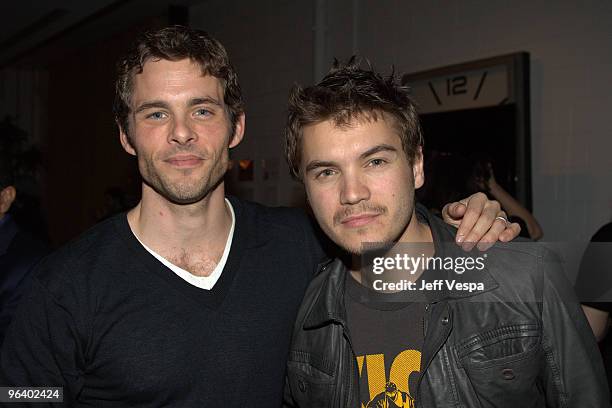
{"type": "Point", "coordinates": [152, 105]}
{"type": "Point", "coordinates": [203, 101]}
{"type": "Point", "coordinates": [315, 164]}
{"type": "Point", "coordinates": [377, 149]}
{"type": "Point", "coordinates": [164, 105]}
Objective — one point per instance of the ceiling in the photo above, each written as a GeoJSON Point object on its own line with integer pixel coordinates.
{"type": "Point", "coordinates": [32, 28]}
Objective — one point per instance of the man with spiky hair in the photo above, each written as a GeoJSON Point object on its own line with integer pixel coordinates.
{"type": "Point", "coordinates": [382, 326]}
{"type": "Point", "coordinates": [188, 299]}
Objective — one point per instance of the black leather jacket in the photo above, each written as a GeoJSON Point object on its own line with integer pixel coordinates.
{"type": "Point", "coordinates": [521, 341]}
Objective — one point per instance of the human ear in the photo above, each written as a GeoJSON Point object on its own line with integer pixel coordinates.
{"type": "Point", "coordinates": [238, 131]}
{"type": "Point", "coordinates": [126, 142]}
{"type": "Point", "coordinates": [7, 197]}
{"type": "Point", "coordinates": [417, 169]}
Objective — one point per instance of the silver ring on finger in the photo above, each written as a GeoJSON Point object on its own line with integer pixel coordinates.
{"type": "Point", "coordinates": [499, 217]}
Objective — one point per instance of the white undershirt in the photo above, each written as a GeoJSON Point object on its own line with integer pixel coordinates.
{"type": "Point", "coordinates": [202, 282]}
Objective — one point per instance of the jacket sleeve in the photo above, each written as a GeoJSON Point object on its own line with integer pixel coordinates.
{"type": "Point", "coordinates": [42, 346]}
{"type": "Point", "coordinates": [574, 374]}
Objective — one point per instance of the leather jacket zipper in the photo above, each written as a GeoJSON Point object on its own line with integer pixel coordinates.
{"type": "Point", "coordinates": [417, 403]}
{"type": "Point", "coordinates": [352, 363]}
{"type": "Point", "coordinates": [424, 319]}
{"type": "Point", "coordinates": [430, 357]}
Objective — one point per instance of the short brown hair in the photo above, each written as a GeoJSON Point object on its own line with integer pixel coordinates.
{"type": "Point", "coordinates": [174, 44]}
{"type": "Point", "coordinates": [344, 94]}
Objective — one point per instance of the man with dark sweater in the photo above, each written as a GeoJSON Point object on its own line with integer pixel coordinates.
{"type": "Point", "coordinates": [189, 298]}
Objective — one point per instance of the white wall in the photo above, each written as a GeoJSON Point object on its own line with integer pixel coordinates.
{"type": "Point", "coordinates": [271, 43]}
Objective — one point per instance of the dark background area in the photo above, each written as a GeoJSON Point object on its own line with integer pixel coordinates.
{"type": "Point", "coordinates": [485, 132]}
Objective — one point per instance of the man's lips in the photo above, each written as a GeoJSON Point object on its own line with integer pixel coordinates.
{"type": "Point", "coordinates": [188, 160]}
{"type": "Point", "coordinates": [359, 220]}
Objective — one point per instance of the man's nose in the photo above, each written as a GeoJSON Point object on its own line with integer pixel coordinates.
{"type": "Point", "coordinates": [354, 190]}
{"type": "Point", "coordinates": [182, 132]}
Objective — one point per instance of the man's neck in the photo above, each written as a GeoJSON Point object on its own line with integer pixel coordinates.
{"type": "Point", "coordinates": [168, 228]}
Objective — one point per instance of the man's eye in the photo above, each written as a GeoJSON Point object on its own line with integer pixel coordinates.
{"type": "Point", "coordinates": [156, 115]}
{"type": "Point", "coordinates": [325, 173]}
{"type": "Point", "coordinates": [203, 112]}
{"type": "Point", "coordinates": [377, 162]}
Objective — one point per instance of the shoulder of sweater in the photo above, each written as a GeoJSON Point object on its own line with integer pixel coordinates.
{"type": "Point", "coordinates": [93, 249]}
{"type": "Point", "coordinates": [281, 218]}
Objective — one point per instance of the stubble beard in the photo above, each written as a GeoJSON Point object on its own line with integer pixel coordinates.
{"type": "Point", "coordinates": [384, 242]}
{"type": "Point", "coordinates": [187, 191]}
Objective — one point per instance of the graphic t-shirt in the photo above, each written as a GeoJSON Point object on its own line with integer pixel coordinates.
{"type": "Point", "coordinates": [387, 335]}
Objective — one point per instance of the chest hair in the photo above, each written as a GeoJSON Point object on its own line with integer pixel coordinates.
{"type": "Point", "coordinates": [198, 263]}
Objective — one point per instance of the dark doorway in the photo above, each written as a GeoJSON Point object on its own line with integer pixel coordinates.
{"type": "Point", "coordinates": [485, 133]}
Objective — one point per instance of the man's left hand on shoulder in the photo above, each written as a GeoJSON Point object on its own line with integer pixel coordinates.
{"type": "Point", "coordinates": [481, 222]}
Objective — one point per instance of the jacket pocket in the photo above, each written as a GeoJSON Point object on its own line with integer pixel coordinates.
{"type": "Point", "coordinates": [503, 365]}
{"type": "Point", "coordinates": [310, 379]}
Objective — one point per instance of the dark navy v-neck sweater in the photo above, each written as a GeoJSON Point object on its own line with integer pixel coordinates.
{"type": "Point", "coordinates": [113, 326]}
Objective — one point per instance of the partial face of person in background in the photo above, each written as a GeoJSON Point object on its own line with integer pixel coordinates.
{"type": "Point", "coordinates": [359, 180]}
{"type": "Point", "coordinates": [180, 130]}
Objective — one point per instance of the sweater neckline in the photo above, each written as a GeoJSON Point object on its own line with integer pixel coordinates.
{"type": "Point", "coordinates": [212, 298]}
